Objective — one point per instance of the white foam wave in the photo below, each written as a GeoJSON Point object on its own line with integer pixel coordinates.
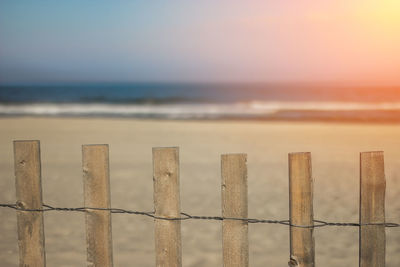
{"type": "Point", "coordinates": [169, 111]}
{"type": "Point", "coordinates": [325, 106]}
{"type": "Point", "coordinates": [250, 109]}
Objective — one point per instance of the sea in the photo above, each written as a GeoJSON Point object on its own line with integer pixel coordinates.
{"type": "Point", "coordinates": [204, 101]}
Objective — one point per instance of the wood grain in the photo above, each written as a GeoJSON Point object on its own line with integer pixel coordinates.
{"type": "Point", "coordinates": [167, 204]}
{"type": "Point", "coordinates": [302, 252]}
{"type": "Point", "coordinates": [96, 181]}
{"type": "Point", "coordinates": [29, 196]}
{"type": "Point", "coordinates": [234, 205]}
{"type": "Point", "coordinates": [372, 209]}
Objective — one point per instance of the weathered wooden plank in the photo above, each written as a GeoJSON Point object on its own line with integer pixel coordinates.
{"type": "Point", "coordinates": [372, 209]}
{"type": "Point", "coordinates": [234, 205]}
{"type": "Point", "coordinates": [301, 210]}
{"type": "Point", "coordinates": [29, 196]}
{"type": "Point", "coordinates": [167, 204]}
{"type": "Point", "coordinates": [96, 181]}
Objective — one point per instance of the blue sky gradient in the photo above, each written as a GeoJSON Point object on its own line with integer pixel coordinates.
{"type": "Point", "coordinates": [205, 41]}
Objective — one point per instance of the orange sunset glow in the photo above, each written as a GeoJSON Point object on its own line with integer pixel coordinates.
{"type": "Point", "coordinates": [352, 41]}
{"type": "Point", "coordinates": [233, 133]}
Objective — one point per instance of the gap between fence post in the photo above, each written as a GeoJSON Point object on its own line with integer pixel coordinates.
{"type": "Point", "coordinates": [167, 204]}
{"type": "Point", "coordinates": [234, 205]}
{"type": "Point", "coordinates": [96, 181]}
{"type": "Point", "coordinates": [372, 209]}
{"type": "Point", "coordinates": [302, 252]}
{"type": "Point", "coordinates": [28, 186]}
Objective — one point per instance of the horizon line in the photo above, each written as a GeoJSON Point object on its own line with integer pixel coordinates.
{"type": "Point", "coordinates": [335, 83]}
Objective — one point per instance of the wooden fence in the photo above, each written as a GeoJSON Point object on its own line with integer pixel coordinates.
{"type": "Point", "coordinates": [167, 205]}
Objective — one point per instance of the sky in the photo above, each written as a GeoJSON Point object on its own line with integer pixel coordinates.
{"type": "Point", "coordinates": [346, 41]}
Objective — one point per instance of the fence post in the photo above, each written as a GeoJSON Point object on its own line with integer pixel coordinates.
{"type": "Point", "coordinates": [29, 196]}
{"type": "Point", "coordinates": [301, 210]}
{"type": "Point", "coordinates": [96, 184]}
{"type": "Point", "coordinates": [372, 209]}
{"type": "Point", "coordinates": [234, 205]}
{"type": "Point", "coordinates": [167, 204]}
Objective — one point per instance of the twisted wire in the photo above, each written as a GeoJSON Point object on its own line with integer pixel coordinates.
{"type": "Point", "coordinates": [186, 216]}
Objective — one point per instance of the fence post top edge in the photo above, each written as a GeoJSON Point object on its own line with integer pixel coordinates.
{"type": "Point", "coordinates": [234, 154]}
{"type": "Point", "coordinates": [168, 147]}
{"type": "Point", "coordinates": [92, 145]}
{"type": "Point", "coordinates": [26, 141]}
{"type": "Point", "coordinates": [299, 153]}
{"type": "Point", "coordinates": [372, 152]}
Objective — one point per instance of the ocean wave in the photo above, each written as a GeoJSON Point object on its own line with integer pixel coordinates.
{"type": "Point", "coordinates": [325, 106]}
{"type": "Point", "coordinates": [254, 109]}
{"type": "Point", "coordinates": [134, 110]}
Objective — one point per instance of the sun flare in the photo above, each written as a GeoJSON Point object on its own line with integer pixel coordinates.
{"type": "Point", "coordinates": [384, 13]}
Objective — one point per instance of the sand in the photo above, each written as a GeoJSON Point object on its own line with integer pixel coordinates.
{"type": "Point", "coordinates": [335, 151]}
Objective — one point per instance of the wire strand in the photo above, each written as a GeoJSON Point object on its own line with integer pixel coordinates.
{"type": "Point", "coordinates": [185, 216]}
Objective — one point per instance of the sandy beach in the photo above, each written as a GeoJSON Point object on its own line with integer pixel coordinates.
{"type": "Point", "coordinates": [335, 151]}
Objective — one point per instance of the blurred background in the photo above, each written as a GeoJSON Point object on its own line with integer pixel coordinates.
{"type": "Point", "coordinates": [212, 77]}
{"type": "Point", "coordinates": [231, 59]}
